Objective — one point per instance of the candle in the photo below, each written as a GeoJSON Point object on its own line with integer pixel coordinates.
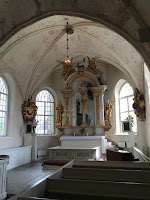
{"type": "Point", "coordinates": [74, 134]}
{"type": "Point", "coordinates": [87, 134]}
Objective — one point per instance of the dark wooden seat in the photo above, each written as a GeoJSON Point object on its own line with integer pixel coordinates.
{"type": "Point", "coordinates": [56, 162]}
{"type": "Point", "coordinates": [119, 155]}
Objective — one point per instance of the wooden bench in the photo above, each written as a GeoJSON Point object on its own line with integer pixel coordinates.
{"type": "Point", "coordinates": [58, 188]}
{"type": "Point", "coordinates": [138, 176]}
{"type": "Point", "coordinates": [113, 165]}
{"type": "Point", "coordinates": [119, 155]}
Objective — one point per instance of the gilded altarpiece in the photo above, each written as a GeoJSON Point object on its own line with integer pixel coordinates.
{"type": "Point", "coordinates": [86, 77]}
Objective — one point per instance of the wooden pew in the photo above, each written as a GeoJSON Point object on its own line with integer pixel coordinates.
{"type": "Point", "coordinates": [139, 176]}
{"type": "Point", "coordinates": [89, 189]}
{"type": "Point", "coordinates": [33, 198]}
{"type": "Point", "coordinates": [113, 165]}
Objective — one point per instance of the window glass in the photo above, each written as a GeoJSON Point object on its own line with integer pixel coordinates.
{"type": "Point", "coordinates": [3, 106]}
{"type": "Point", "coordinates": [130, 101]}
{"type": "Point", "coordinates": [126, 102]}
{"type": "Point", "coordinates": [123, 105]}
{"type": "Point", "coordinates": [45, 113]}
{"type": "Point", "coordinates": [126, 90]}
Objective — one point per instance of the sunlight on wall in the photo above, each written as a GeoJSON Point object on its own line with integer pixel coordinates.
{"type": "Point", "coordinates": [147, 100]}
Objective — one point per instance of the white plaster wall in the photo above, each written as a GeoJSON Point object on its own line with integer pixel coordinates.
{"type": "Point", "coordinates": [45, 142]}
{"type": "Point", "coordinates": [147, 101]}
{"type": "Point", "coordinates": [14, 133]}
{"type": "Point", "coordinates": [56, 83]}
{"type": "Point", "coordinates": [113, 76]}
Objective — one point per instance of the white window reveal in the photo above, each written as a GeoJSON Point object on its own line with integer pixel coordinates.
{"type": "Point", "coordinates": [3, 106]}
{"type": "Point", "coordinates": [126, 102]}
{"type": "Point", "coordinates": [45, 113]}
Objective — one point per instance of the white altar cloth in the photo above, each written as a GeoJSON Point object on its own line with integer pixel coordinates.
{"type": "Point", "coordinates": [81, 137]}
{"type": "Point", "coordinates": [83, 142]}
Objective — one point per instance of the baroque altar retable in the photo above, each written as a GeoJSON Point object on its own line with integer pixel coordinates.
{"type": "Point", "coordinates": [82, 85]}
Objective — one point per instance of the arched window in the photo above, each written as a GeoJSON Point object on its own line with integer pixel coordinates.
{"type": "Point", "coordinates": [126, 101]}
{"type": "Point", "coordinates": [3, 106]}
{"type": "Point", "coordinates": [45, 113]}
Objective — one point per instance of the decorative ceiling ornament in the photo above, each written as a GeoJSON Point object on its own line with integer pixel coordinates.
{"type": "Point", "coordinates": [68, 69]}
{"type": "Point", "coordinates": [69, 31]}
{"type": "Point", "coordinates": [67, 65]}
{"type": "Point", "coordinates": [90, 65]}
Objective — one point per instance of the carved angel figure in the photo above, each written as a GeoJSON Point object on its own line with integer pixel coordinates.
{"type": "Point", "coordinates": [93, 66]}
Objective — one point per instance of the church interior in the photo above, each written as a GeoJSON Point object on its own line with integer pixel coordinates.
{"type": "Point", "coordinates": [74, 92]}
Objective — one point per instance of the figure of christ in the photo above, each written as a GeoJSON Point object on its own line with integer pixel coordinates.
{"type": "Point", "coordinates": [84, 100]}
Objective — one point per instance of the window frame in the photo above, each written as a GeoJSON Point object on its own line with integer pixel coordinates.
{"type": "Point", "coordinates": [128, 111]}
{"type": "Point", "coordinates": [6, 112]}
{"type": "Point", "coordinates": [44, 115]}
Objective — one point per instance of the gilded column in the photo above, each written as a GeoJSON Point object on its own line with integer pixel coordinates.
{"type": "Point", "coordinates": [97, 108]}
{"type": "Point", "coordinates": [73, 108]}
{"type": "Point", "coordinates": [99, 104]}
{"type": "Point", "coordinates": [68, 94]}
{"type": "Point", "coordinates": [66, 118]}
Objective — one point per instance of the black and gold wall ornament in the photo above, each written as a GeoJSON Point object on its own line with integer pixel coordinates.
{"type": "Point", "coordinates": [29, 111]}
{"type": "Point", "coordinates": [139, 104]}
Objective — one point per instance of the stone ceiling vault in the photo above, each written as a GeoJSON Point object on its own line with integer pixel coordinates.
{"type": "Point", "coordinates": [33, 52]}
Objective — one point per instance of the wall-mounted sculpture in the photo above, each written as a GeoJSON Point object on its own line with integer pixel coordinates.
{"type": "Point", "coordinates": [92, 66]}
{"type": "Point", "coordinates": [139, 104]}
{"type": "Point", "coordinates": [60, 110]}
{"type": "Point", "coordinates": [108, 111]}
{"type": "Point", "coordinates": [29, 111]}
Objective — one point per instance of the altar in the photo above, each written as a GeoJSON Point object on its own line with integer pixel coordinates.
{"type": "Point", "coordinates": [78, 154]}
{"type": "Point", "coordinates": [78, 148]}
{"type": "Point", "coordinates": [80, 115]}
{"type": "Point", "coordinates": [83, 142]}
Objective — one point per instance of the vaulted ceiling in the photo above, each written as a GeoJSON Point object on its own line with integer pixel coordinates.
{"type": "Point", "coordinates": [31, 53]}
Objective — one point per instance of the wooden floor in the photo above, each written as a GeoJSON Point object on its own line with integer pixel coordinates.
{"type": "Point", "coordinates": [23, 177]}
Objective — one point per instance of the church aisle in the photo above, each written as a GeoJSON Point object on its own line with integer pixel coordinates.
{"type": "Point", "coordinates": [23, 177]}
